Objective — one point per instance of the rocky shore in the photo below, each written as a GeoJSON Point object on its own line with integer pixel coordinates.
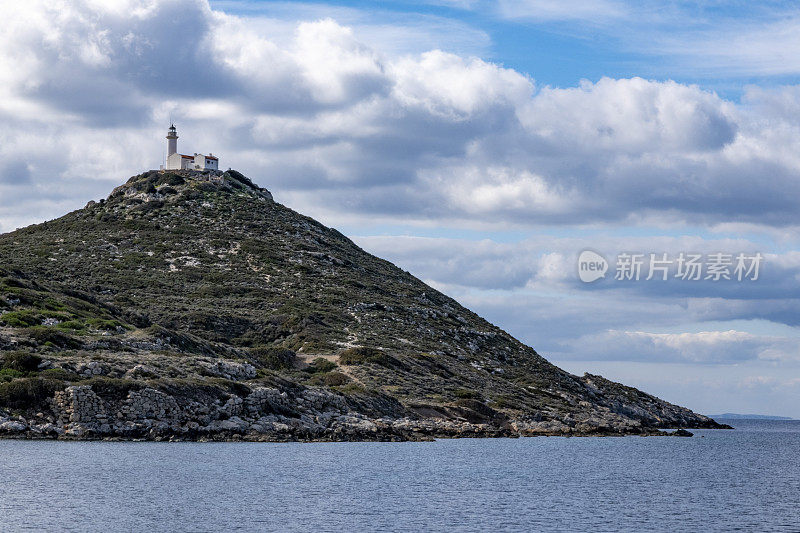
{"type": "Point", "coordinates": [268, 414]}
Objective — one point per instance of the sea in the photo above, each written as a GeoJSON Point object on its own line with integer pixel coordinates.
{"type": "Point", "coordinates": [746, 479]}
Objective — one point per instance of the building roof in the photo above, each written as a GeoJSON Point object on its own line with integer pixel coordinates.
{"type": "Point", "coordinates": [192, 157]}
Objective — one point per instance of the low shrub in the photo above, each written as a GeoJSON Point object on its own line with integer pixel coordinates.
{"type": "Point", "coordinates": [362, 355]}
{"type": "Point", "coordinates": [171, 179]}
{"type": "Point", "coordinates": [59, 373]}
{"type": "Point", "coordinates": [475, 405]}
{"type": "Point", "coordinates": [272, 357]}
{"type": "Point", "coordinates": [52, 337]}
{"type": "Point", "coordinates": [103, 324]}
{"type": "Point", "coordinates": [192, 194]}
{"type": "Point", "coordinates": [21, 361]}
{"type": "Point", "coordinates": [335, 379]}
{"type": "Point", "coordinates": [12, 282]}
{"type": "Point", "coordinates": [72, 325]}
{"type": "Point", "coordinates": [466, 394]}
{"type": "Point", "coordinates": [111, 387]}
{"type": "Point", "coordinates": [21, 319]}
{"type": "Point", "coordinates": [241, 178]}
{"type": "Point", "coordinates": [148, 207]}
{"type": "Point", "coordinates": [145, 186]}
{"type": "Point", "coordinates": [28, 392]}
{"type": "Point", "coordinates": [330, 379]}
{"type": "Point", "coordinates": [321, 365]}
{"type": "Point", "coordinates": [353, 389]}
{"type": "Point", "coordinates": [504, 402]}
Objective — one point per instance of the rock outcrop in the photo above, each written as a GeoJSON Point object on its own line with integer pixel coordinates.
{"type": "Point", "coordinates": [269, 414]}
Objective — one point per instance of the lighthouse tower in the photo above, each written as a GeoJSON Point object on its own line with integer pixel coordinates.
{"type": "Point", "coordinates": [172, 141]}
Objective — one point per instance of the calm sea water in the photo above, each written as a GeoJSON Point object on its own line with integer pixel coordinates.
{"type": "Point", "coordinates": [746, 479]}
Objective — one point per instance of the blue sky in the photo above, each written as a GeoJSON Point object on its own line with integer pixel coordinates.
{"type": "Point", "coordinates": [561, 47]}
{"type": "Point", "coordinates": [480, 145]}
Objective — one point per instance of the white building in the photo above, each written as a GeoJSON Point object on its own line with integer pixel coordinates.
{"type": "Point", "coordinates": [176, 161]}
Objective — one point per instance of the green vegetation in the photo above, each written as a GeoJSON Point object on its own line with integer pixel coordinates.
{"type": "Point", "coordinates": [8, 374]}
{"type": "Point", "coordinates": [466, 394]}
{"type": "Point", "coordinates": [21, 319]}
{"type": "Point", "coordinates": [111, 387]}
{"type": "Point", "coordinates": [59, 374]}
{"type": "Point", "coordinates": [321, 365]}
{"type": "Point", "coordinates": [504, 402]}
{"type": "Point", "coordinates": [20, 361]}
{"type": "Point", "coordinates": [28, 392]}
{"type": "Point", "coordinates": [46, 336]}
{"type": "Point", "coordinates": [272, 358]}
{"type": "Point", "coordinates": [353, 389]}
{"type": "Point", "coordinates": [170, 178]}
{"type": "Point", "coordinates": [330, 379]}
{"type": "Point", "coordinates": [18, 364]}
{"type": "Point", "coordinates": [363, 356]}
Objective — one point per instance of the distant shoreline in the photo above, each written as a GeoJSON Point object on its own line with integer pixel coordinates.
{"type": "Point", "coordinates": [738, 416]}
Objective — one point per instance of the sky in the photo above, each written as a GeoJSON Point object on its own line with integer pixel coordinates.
{"type": "Point", "coordinates": [483, 146]}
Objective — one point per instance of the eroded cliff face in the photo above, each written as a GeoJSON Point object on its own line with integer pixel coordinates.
{"type": "Point", "coordinates": [191, 305]}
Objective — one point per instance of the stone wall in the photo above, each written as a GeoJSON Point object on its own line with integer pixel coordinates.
{"type": "Point", "coordinates": [79, 404]}
{"type": "Point", "coordinates": [150, 404]}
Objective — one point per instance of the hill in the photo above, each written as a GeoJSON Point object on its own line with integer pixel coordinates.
{"type": "Point", "coordinates": [192, 305]}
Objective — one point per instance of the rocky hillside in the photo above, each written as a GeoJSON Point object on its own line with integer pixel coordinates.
{"type": "Point", "coordinates": [191, 305]}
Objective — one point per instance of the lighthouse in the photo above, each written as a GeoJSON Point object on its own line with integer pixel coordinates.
{"type": "Point", "coordinates": [176, 161]}
{"type": "Point", "coordinates": [172, 140]}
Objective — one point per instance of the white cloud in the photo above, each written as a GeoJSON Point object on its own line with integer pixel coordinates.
{"type": "Point", "coordinates": [756, 47]}
{"type": "Point", "coordinates": [701, 347]}
{"type": "Point", "coordinates": [335, 65]}
{"type": "Point", "coordinates": [747, 387]}
{"type": "Point", "coordinates": [535, 258]}
{"type": "Point", "coordinates": [592, 11]}
{"type": "Point", "coordinates": [350, 130]}
{"type": "Point", "coordinates": [394, 32]}
{"type": "Point", "coordinates": [633, 117]}
{"type": "Point", "coordinates": [454, 88]}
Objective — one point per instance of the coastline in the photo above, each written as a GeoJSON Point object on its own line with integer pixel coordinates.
{"type": "Point", "coordinates": [342, 428]}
